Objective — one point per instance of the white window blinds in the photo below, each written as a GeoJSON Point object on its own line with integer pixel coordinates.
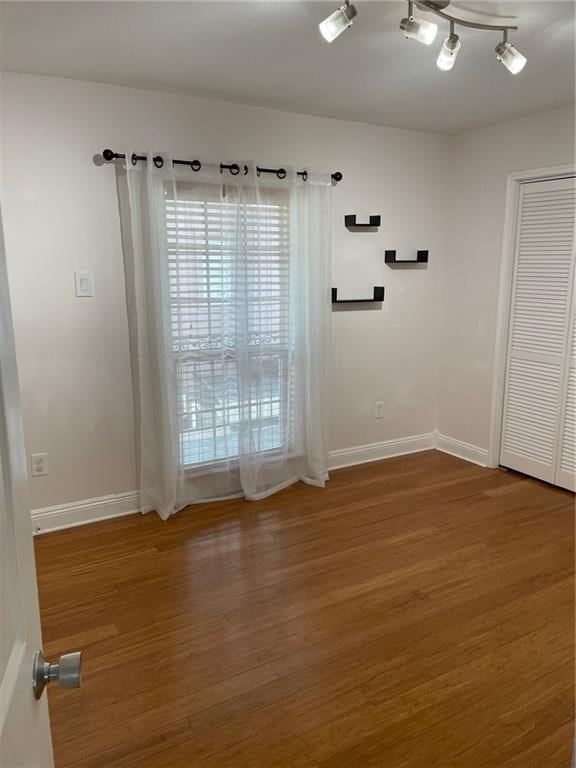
{"type": "Point", "coordinates": [223, 310]}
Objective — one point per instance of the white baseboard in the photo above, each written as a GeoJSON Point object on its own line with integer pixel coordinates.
{"type": "Point", "coordinates": [461, 449]}
{"type": "Point", "coordinates": [85, 511]}
{"type": "Point", "coordinates": [362, 454]}
{"type": "Point", "coordinates": [121, 504]}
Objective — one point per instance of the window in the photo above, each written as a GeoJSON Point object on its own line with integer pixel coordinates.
{"type": "Point", "coordinates": [229, 302]}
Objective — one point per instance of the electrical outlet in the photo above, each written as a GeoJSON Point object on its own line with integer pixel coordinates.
{"type": "Point", "coordinates": [379, 410]}
{"type": "Point", "coordinates": [39, 464]}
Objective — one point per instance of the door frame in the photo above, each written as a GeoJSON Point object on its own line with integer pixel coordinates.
{"type": "Point", "coordinates": [513, 182]}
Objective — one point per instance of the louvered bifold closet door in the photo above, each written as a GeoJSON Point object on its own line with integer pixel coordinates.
{"type": "Point", "coordinates": [539, 322]}
{"type": "Point", "coordinates": [566, 459]}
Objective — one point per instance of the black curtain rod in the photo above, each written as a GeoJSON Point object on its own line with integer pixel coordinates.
{"type": "Point", "coordinates": [196, 165]}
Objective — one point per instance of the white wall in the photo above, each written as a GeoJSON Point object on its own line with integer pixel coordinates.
{"type": "Point", "coordinates": [60, 215]}
{"type": "Point", "coordinates": [428, 354]}
{"type": "Point", "coordinates": [480, 162]}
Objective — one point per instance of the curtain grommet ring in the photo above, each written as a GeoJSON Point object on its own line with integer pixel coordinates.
{"type": "Point", "coordinates": [158, 161]}
{"type": "Point", "coordinates": [195, 165]}
{"type": "Point", "coordinates": [245, 170]}
{"type": "Point", "coordinates": [221, 168]}
{"type": "Point", "coordinates": [257, 171]}
{"type": "Point", "coordinates": [304, 175]}
{"type": "Point", "coordinates": [281, 173]}
{"type": "Point", "coordinates": [234, 169]}
{"type": "Point", "coordinates": [133, 158]}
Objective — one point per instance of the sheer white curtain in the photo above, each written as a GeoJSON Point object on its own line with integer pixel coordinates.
{"type": "Point", "coordinates": [228, 295]}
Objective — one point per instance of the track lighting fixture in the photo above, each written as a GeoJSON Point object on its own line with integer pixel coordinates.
{"type": "Point", "coordinates": [448, 52]}
{"type": "Point", "coordinates": [338, 21]}
{"type": "Point", "coordinates": [510, 56]}
{"type": "Point", "coordinates": [425, 32]}
{"type": "Point", "coordinates": [419, 29]}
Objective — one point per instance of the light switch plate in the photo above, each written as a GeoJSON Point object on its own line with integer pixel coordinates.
{"type": "Point", "coordinates": [84, 282]}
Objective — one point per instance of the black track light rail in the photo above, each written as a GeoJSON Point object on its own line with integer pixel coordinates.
{"type": "Point", "coordinates": [196, 165]}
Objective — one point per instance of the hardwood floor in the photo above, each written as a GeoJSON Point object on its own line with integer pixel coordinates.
{"type": "Point", "coordinates": [418, 612]}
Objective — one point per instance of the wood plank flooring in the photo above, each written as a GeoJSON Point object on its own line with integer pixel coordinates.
{"type": "Point", "coordinates": [418, 612]}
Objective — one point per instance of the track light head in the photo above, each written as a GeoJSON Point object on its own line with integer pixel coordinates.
{"type": "Point", "coordinates": [510, 57]}
{"type": "Point", "coordinates": [338, 22]}
{"type": "Point", "coordinates": [419, 29]}
{"type": "Point", "coordinates": [448, 52]}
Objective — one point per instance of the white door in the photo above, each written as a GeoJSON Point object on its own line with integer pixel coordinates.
{"type": "Point", "coordinates": [566, 459]}
{"type": "Point", "coordinates": [24, 728]}
{"type": "Point", "coordinates": [536, 378]}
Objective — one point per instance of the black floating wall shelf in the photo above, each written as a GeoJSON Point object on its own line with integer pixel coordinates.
{"type": "Point", "coordinates": [421, 258]}
{"type": "Point", "coordinates": [351, 223]}
{"type": "Point", "coordinates": [377, 298]}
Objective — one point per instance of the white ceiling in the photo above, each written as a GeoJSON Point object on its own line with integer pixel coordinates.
{"type": "Point", "coordinates": [271, 54]}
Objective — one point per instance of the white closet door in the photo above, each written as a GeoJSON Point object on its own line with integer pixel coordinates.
{"type": "Point", "coordinates": [566, 459]}
{"type": "Point", "coordinates": [539, 321]}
